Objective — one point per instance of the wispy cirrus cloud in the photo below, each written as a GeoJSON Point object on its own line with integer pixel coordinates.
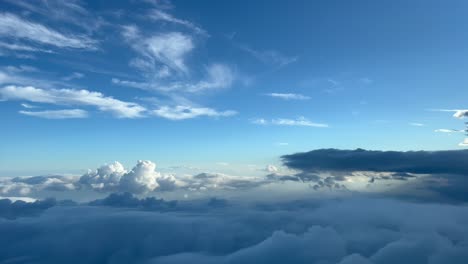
{"type": "Point", "coordinates": [71, 97]}
{"type": "Point", "coordinates": [72, 12]}
{"type": "Point", "coordinates": [159, 15]}
{"type": "Point", "coordinates": [288, 96]}
{"type": "Point", "coordinates": [271, 57]}
{"type": "Point", "coordinates": [158, 50]}
{"type": "Point", "coordinates": [217, 76]}
{"type": "Point", "coordinates": [57, 114]}
{"type": "Point", "coordinates": [13, 27]}
{"type": "Point", "coordinates": [301, 121]}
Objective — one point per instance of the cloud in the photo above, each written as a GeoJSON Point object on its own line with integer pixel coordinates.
{"type": "Point", "coordinates": [289, 96]}
{"type": "Point", "coordinates": [218, 76]}
{"type": "Point", "coordinates": [464, 143]}
{"type": "Point", "coordinates": [186, 112]}
{"type": "Point", "coordinates": [74, 75]}
{"type": "Point", "coordinates": [22, 47]}
{"type": "Point", "coordinates": [142, 178]}
{"type": "Point", "coordinates": [443, 130]}
{"type": "Point", "coordinates": [127, 200]}
{"type": "Point", "coordinates": [458, 113]}
{"type": "Point", "coordinates": [105, 178]}
{"type": "Point", "coordinates": [57, 114]}
{"type": "Point", "coordinates": [421, 162]}
{"type": "Point", "coordinates": [14, 27]}
{"type": "Point", "coordinates": [416, 124]}
{"type": "Point", "coordinates": [166, 49]}
{"type": "Point", "coordinates": [72, 12]}
{"type": "Point", "coordinates": [118, 108]}
{"type": "Point", "coordinates": [123, 229]}
{"type": "Point", "coordinates": [301, 121]}
{"type": "Point", "coordinates": [159, 15]}
{"type": "Point", "coordinates": [24, 186]}
{"type": "Point", "coordinates": [271, 168]}
{"type": "Point", "coordinates": [271, 57]}
{"type": "Point", "coordinates": [19, 208]}
{"type": "Point", "coordinates": [423, 175]}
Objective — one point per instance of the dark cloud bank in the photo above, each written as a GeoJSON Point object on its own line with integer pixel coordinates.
{"type": "Point", "coordinates": [442, 176]}
{"type": "Point", "coordinates": [354, 228]}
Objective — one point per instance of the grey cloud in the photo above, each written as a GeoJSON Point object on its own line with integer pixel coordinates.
{"type": "Point", "coordinates": [430, 162]}
{"type": "Point", "coordinates": [123, 230]}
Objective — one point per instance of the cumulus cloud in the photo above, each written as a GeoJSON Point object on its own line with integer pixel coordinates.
{"type": "Point", "coordinates": [289, 96]}
{"type": "Point", "coordinates": [24, 186]}
{"type": "Point", "coordinates": [123, 229]}
{"type": "Point", "coordinates": [57, 114]}
{"type": "Point", "coordinates": [301, 121]}
{"type": "Point", "coordinates": [117, 107]}
{"type": "Point", "coordinates": [186, 112]}
{"type": "Point", "coordinates": [14, 27]}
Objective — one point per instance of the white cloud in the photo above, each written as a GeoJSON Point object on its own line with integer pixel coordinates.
{"type": "Point", "coordinates": [159, 15]}
{"type": "Point", "coordinates": [141, 179]}
{"type": "Point", "coordinates": [416, 124]}
{"type": "Point", "coordinates": [74, 75]}
{"type": "Point", "coordinates": [289, 96]}
{"type": "Point", "coordinates": [28, 106]}
{"type": "Point", "coordinates": [272, 57]}
{"type": "Point", "coordinates": [464, 143]}
{"type": "Point", "coordinates": [118, 108]}
{"type": "Point", "coordinates": [271, 168]}
{"type": "Point", "coordinates": [301, 121]}
{"type": "Point", "coordinates": [57, 114]}
{"type": "Point", "coordinates": [14, 27]}
{"type": "Point", "coordinates": [444, 130]}
{"type": "Point", "coordinates": [170, 49]}
{"type": "Point", "coordinates": [218, 76]}
{"type": "Point", "coordinates": [22, 47]}
{"type": "Point", "coordinates": [186, 112]}
{"type": "Point", "coordinates": [458, 113]}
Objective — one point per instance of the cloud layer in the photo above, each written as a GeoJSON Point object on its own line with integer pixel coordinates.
{"type": "Point", "coordinates": [123, 229]}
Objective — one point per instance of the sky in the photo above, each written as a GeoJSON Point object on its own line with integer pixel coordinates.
{"type": "Point", "coordinates": [219, 82]}
{"type": "Point", "coordinates": [157, 131]}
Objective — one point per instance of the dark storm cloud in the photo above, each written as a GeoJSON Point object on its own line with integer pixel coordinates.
{"type": "Point", "coordinates": [127, 200]}
{"type": "Point", "coordinates": [19, 208]}
{"type": "Point", "coordinates": [420, 162]}
{"type": "Point", "coordinates": [340, 231]}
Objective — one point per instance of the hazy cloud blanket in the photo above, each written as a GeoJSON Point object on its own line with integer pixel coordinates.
{"type": "Point", "coordinates": [354, 230]}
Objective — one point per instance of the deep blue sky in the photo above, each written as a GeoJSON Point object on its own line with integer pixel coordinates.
{"type": "Point", "coordinates": [204, 83]}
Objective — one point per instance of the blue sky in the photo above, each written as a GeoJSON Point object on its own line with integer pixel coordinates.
{"type": "Point", "coordinates": [225, 85]}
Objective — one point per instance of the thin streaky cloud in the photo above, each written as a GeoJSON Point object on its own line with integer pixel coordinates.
{"type": "Point", "coordinates": [118, 108]}
{"type": "Point", "coordinates": [301, 121]}
{"type": "Point", "coordinates": [14, 27]}
{"type": "Point", "coordinates": [288, 96]}
{"type": "Point", "coordinates": [416, 124]}
{"type": "Point", "coordinates": [57, 114]}
{"type": "Point", "coordinates": [187, 112]}
{"type": "Point", "coordinates": [159, 15]}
